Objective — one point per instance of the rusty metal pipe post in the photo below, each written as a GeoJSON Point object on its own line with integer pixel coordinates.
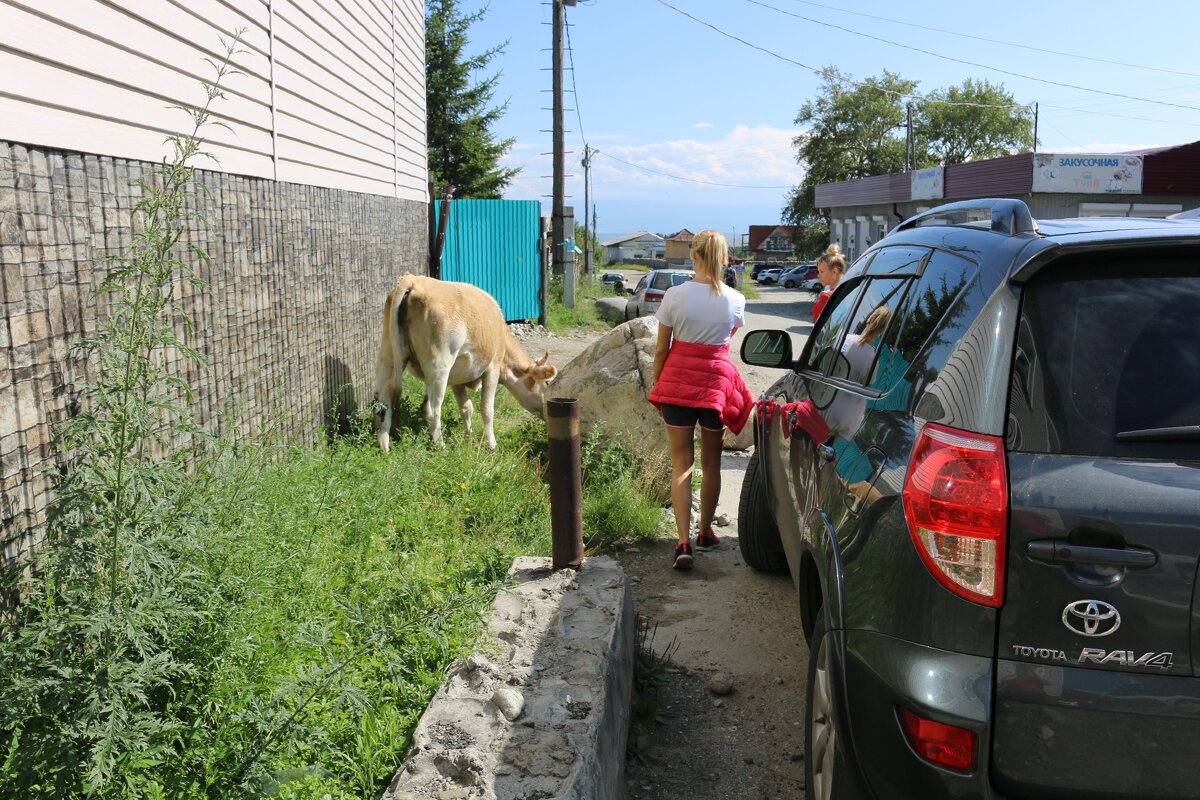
{"type": "Point", "coordinates": [566, 490]}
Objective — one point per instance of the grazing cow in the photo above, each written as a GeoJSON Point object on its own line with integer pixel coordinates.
{"type": "Point", "coordinates": [451, 333]}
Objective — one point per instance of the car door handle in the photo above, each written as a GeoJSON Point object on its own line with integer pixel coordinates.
{"type": "Point", "coordinates": [1058, 551]}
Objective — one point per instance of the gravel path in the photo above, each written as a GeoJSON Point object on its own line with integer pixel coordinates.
{"type": "Point", "coordinates": [720, 619]}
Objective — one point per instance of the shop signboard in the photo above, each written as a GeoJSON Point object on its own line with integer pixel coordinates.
{"type": "Point", "coordinates": [928, 184]}
{"type": "Point", "coordinates": [1087, 173]}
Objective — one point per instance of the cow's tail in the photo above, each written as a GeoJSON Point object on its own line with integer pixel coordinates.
{"type": "Point", "coordinates": [390, 363]}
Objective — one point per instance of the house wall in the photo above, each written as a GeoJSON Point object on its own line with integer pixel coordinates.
{"type": "Point", "coordinates": [331, 94]}
{"type": "Point", "coordinates": [319, 204]}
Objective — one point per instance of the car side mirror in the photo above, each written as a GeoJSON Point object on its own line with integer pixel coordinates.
{"type": "Point", "coordinates": [767, 349]}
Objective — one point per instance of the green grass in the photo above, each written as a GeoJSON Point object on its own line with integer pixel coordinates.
{"type": "Point", "coordinates": [341, 584]}
{"type": "Point", "coordinates": [560, 319]}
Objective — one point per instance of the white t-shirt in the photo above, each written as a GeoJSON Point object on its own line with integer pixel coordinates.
{"type": "Point", "coordinates": [695, 314]}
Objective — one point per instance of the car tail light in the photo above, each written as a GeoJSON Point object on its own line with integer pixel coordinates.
{"type": "Point", "coordinates": [653, 296]}
{"type": "Point", "coordinates": [956, 506]}
{"type": "Point", "coordinates": [944, 745]}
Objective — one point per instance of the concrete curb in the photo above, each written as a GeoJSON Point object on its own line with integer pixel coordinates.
{"type": "Point", "coordinates": [543, 712]}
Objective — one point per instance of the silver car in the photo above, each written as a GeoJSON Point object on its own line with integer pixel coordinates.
{"type": "Point", "coordinates": [651, 288]}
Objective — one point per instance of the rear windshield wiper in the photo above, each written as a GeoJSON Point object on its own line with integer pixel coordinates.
{"type": "Point", "coordinates": [1182, 433]}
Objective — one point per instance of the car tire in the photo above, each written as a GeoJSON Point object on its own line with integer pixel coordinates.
{"type": "Point", "coordinates": [789, 285]}
{"type": "Point", "coordinates": [823, 764]}
{"type": "Point", "coordinates": [627, 317]}
{"type": "Point", "coordinates": [758, 536]}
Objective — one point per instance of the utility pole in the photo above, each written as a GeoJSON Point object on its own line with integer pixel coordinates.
{"type": "Point", "coordinates": [560, 235]}
{"type": "Point", "coordinates": [1035, 126]}
{"type": "Point", "coordinates": [909, 149]}
{"type": "Point", "coordinates": [587, 240]}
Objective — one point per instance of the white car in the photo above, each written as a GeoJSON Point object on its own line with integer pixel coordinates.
{"type": "Point", "coordinates": [770, 275]}
{"type": "Point", "coordinates": [813, 285]}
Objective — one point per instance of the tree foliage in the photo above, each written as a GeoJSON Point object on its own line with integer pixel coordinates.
{"type": "Point", "coordinates": [463, 151]}
{"type": "Point", "coordinates": [856, 130]}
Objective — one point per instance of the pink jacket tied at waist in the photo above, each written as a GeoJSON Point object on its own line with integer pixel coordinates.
{"type": "Point", "coordinates": [704, 376]}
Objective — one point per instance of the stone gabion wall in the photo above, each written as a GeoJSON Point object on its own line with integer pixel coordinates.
{"type": "Point", "coordinates": [289, 327]}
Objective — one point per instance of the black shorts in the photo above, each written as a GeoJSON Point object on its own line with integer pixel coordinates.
{"type": "Point", "coordinates": [687, 417]}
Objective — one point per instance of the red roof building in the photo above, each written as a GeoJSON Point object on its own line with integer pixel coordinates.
{"type": "Point", "coordinates": [771, 242]}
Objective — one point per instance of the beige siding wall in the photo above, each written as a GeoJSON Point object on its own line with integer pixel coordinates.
{"type": "Point", "coordinates": [332, 92]}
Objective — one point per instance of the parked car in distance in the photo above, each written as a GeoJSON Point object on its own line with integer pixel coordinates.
{"type": "Point", "coordinates": [982, 473]}
{"type": "Point", "coordinates": [650, 290]}
{"type": "Point", "coordinates": [793, 277]}
{"type": "Point", "coordinates": [812, 285]}
{"type": "Point", "coordinates": [612, 277]}
{"type": "Point", "coordinates": [768, 276]}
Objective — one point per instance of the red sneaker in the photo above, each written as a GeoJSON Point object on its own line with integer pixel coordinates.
{"type": "Point", "coordinates": [683, 555]}
{"type": "Point", "coordinates": [707, 540]}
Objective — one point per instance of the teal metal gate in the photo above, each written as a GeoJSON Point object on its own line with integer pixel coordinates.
{"type": "Point", "coordinates": [494, 244]}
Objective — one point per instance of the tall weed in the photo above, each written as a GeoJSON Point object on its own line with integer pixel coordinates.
{"type": "Point", "coordinates": [108, 654]}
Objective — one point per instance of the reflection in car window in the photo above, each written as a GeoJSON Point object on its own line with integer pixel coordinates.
{"type": "Point", "coordinates": [919, 315]}
{"type": "Point", "coordinates": [897, 260]}
{"type": "Point", "coordinates": [1105, 349]}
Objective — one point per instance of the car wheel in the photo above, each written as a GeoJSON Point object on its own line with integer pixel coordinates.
{"type": "Point", "coordinates": [822, 762]}
{"type": "Point", "coordinates": [789, 285]}
{"type": "Point", "coordinates": [627, 305]}
{"type": "Point", "coordinates": [758, 536]}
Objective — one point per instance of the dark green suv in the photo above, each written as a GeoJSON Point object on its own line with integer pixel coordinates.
{"type": "Point", "coordinates": [983, 474]}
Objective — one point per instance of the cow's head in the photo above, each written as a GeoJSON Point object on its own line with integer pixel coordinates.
{"type": "Point", "coordinates": [530, 385]}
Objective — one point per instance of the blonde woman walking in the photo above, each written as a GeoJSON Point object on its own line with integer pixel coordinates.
{"type": "Point", "coordinates": [696, 382]}
{"type": "Point", "coordinates": [831, 266]}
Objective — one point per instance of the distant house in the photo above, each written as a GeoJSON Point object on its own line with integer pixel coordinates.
{"type": "Point", "coordinates": [771, 243]}
{"type": "Point", "coordinates": [679, 248]}
{"type": "Point", "coordinates": [641, 244]}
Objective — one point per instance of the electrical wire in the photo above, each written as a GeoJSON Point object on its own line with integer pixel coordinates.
{"type": "Point", "coordinates": [832, 76]}
{"type": "Point", "coordinates": [689, 180]}
{"type": "Point", "coordinates": [1000, 41]}
{"type": "Point", "coordinates": [1001, 70]}
{"type": "Point", "coordinates": [574, 90]}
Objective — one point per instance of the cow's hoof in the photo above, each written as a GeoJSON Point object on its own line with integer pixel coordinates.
{"type": "Point", "coordinates": [385, 442]}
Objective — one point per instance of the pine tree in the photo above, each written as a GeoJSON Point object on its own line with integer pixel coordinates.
{"type": "Point", "coordinates": [463, 151]}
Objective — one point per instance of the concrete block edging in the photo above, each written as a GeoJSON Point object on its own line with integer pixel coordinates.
{"type": "Point", "coordinates": [542, 709]}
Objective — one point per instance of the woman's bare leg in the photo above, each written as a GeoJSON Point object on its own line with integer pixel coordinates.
{"type": "Point", "coordinates": [710, 475]}
{"type": "Point", "coordinates": [683, 462]}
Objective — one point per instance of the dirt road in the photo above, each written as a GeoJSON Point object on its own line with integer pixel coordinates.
{"type": "Point", "coordinates": [722, 617]}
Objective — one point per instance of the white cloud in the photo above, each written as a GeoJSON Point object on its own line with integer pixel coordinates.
{"type": "Point", "coordinates": [744, 156]}
{"type": "Point", "coordinates": [703, 125]}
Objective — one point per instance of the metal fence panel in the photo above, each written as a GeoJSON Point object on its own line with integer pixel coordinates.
{"type": "Point", "coordinates": [493, 244]}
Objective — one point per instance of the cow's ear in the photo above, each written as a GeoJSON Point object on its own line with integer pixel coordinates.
{"type": "Point", "coordinates": [543, 373]}
{"type": "Point", "coordinates": [541, 361]}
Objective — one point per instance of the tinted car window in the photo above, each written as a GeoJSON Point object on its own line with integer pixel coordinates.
{"type": "Point", "coordinates": [919, 315]}
{"type": "Point", "coordinates": [665, 280]}
{"type": "Point", "coordinates": [897, 260]}
{"type": "Point", "coordinates": [1106, 348]}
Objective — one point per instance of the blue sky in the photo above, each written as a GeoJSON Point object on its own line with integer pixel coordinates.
{"type": "Point", "coordinates": [665, 92]}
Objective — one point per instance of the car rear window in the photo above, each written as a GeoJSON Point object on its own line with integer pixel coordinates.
{"type": "Point", "coordinates": [1107, 362]}
{"type": "Point", "coordinates": [665, 280]}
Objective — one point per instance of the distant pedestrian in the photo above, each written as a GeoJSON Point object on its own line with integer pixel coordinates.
{"type": "Point", "coordinates": [696, 381]}
{"type": "Point", "coordinates": [731, 277]}
{"type": "Point", "coordinates": [831, 266]}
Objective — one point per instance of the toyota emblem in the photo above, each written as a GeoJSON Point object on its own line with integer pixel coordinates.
{"type": "Point", "coordinates": [1091, 617]}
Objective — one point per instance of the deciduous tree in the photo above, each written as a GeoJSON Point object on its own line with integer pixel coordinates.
{"type": "Point", "coordinates": [856, 130]}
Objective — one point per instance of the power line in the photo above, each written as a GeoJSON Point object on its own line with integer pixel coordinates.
{"type": "Point", "coordinates": [574, 91]}
{"type": "Point", "coordinates": [999, 41]}
{"type": "Point", "coordinates": [681, 178]}
{"type": "Point", "coordinates": [1001, 70]}
{"type": "Point", "coordinates": [833, 76]}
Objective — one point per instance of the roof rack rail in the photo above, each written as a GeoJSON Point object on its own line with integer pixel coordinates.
{"type": "Point", "coordinates": [1008, 216]}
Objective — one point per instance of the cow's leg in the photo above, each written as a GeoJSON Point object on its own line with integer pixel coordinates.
{"type": "Point", "coordinates": [487, 405]}
{"type": "Point", "coordinates": [435, 395]}
{"type": "Point", "coordinates": [384, 395]}
{"type": "Point", "coordinates": [465, 406]}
